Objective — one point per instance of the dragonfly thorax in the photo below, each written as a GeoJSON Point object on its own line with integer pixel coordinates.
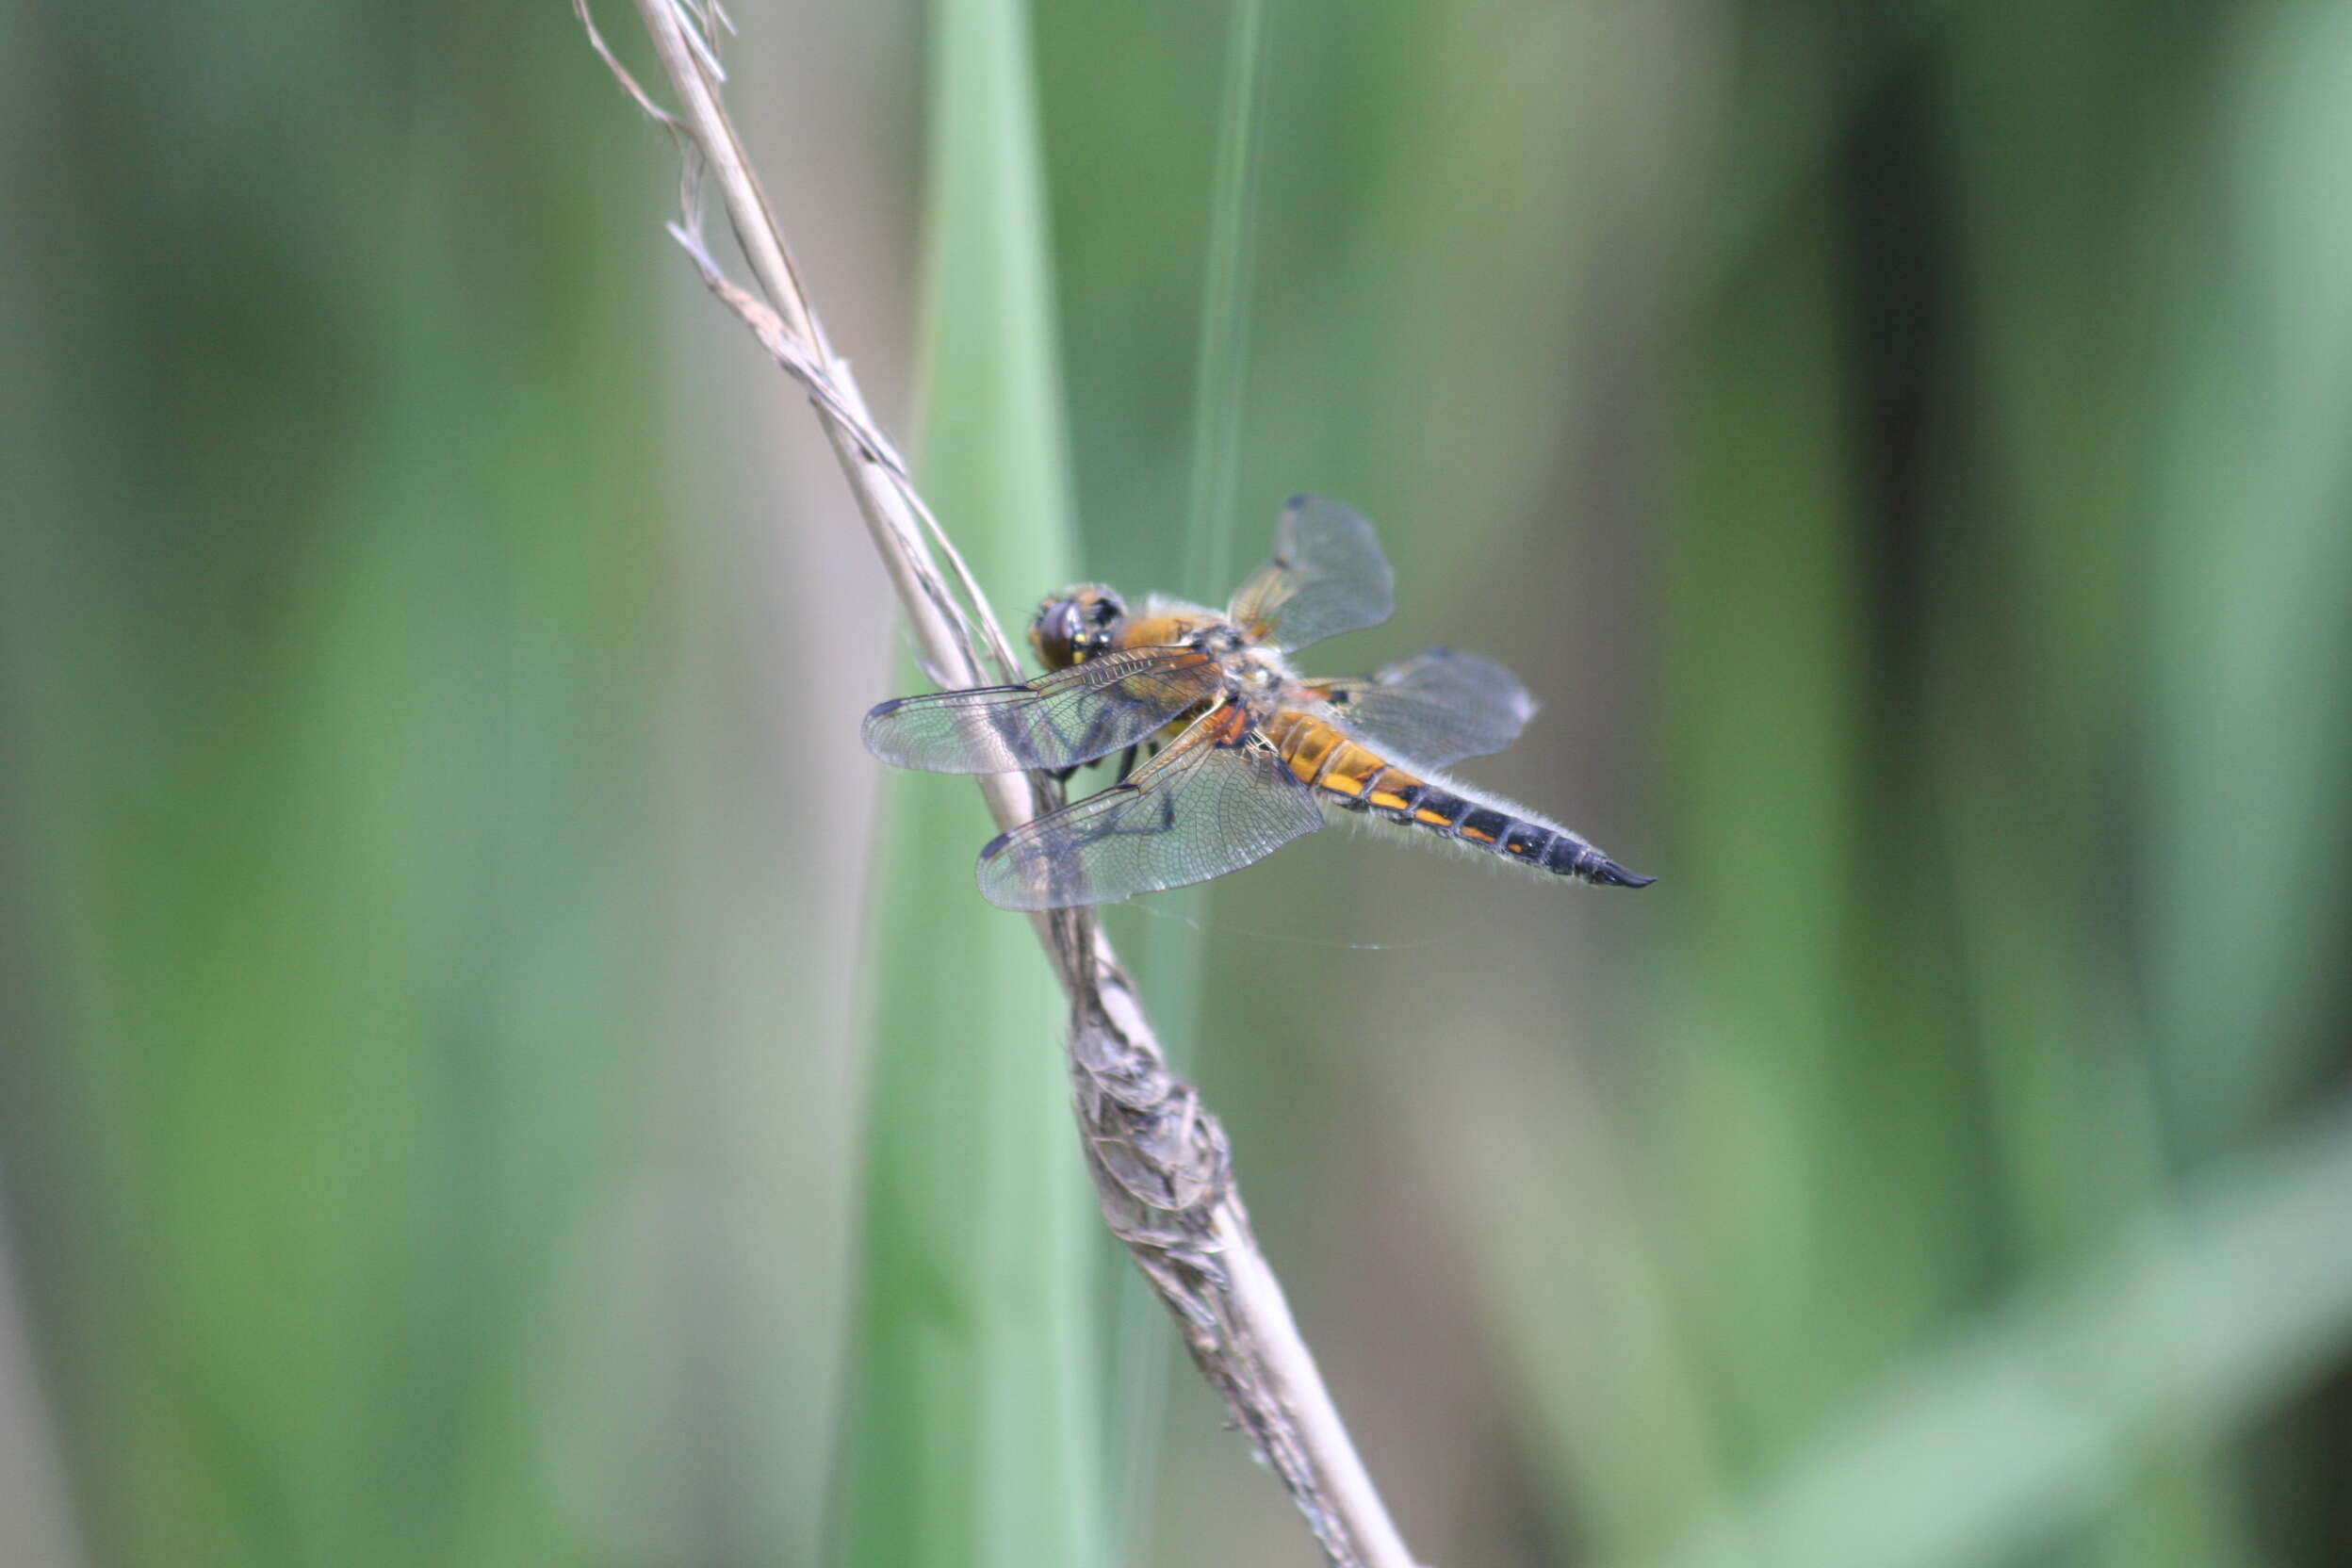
{"type": "Point", "coordinates": [1258, 677]}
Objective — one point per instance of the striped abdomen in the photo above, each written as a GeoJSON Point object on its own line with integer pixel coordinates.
{"type": "Point", "coordinates": [1356, 778]}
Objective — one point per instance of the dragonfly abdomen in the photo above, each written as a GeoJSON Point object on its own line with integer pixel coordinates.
{"type": "Point", "coordinates": [1356, 778]}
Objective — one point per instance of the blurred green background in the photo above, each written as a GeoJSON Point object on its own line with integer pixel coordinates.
{"type": "Point", "coordinates": [471, 1093]}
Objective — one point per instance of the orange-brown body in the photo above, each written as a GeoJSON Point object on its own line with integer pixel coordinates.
{"type": "Point", "coordinates": [1247, 753]}
{"type": "Point", "coordinates": [1343, 771]}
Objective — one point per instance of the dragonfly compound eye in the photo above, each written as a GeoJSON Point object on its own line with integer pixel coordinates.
{"type": "Point", "coordinates": [1055, 633]}
{"type": "Point", "coordinates": [1077, 626]}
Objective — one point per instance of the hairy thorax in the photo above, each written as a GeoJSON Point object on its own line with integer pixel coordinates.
{"type": "Point", "coordinates": [1257, 676]}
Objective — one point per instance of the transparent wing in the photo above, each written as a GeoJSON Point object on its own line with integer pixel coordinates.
{"type": "Point", "coordinates": [1437, 706]}
{"type": "Point", "coordinates": [1056, 721]}
{"type": "Point", "coordinates": [1215, 800]}
{"type": "Point", "coordinates": [1328, 576]}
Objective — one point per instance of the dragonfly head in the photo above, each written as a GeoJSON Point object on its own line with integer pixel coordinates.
{"type": "Point", "coordinates": [1075, 627]}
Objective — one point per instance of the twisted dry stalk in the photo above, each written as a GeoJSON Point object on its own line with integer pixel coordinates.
{"type": "Point", "coordinates": [1159, 1160]}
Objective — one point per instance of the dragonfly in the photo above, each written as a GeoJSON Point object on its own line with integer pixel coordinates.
{"type": "Point", "coordinates": [1227, 754]}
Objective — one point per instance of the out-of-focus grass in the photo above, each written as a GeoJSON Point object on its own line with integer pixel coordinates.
{"type": "Point", "coordinates": [974, 1426]}
{"type": "Point", "coordinates": [2248, 739]}
{"type": "Point", "coordinates": [2199, 1314]}
{"type": "Point", "coordinates": [332, 611]}
{"type": "Point", "coordinates": [1953, 973]}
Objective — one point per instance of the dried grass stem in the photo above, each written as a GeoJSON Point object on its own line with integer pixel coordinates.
{"type": "Point", "coordinates": [1159, 1160]}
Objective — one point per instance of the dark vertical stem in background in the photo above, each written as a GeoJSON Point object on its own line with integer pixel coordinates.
{"type": "Point", "coordinates": [1897, 267]}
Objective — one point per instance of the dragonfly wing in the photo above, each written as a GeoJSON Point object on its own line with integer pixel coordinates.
{"type": "Point", "coordinates": [1326, 576]}
{"type": "Point", "coordinates": [1217, 799]}
{"type": "Point", "coordinates": [1055, 721]}
{"type": "Point", "coordinates": [1437, 706]}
